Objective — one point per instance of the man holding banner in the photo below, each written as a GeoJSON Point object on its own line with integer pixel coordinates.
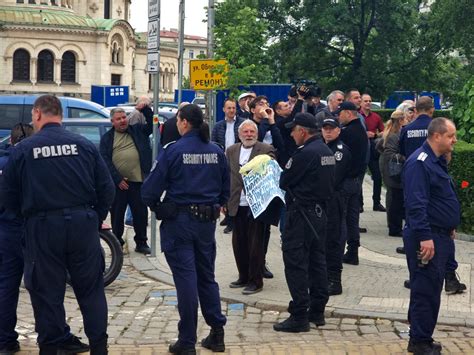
{"type": "Point", "coordinates": [247, 235]}
{"type": "Point", "coordinates": [308, 180]}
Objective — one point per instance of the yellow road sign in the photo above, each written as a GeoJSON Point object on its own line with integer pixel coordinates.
{"type": "Point", "coordinates": [202, 76]}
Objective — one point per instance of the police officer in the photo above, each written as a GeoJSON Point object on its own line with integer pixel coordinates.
{"type": "Point", "coordinates": [11, 256]}
{"type": "Point", "coordinates": [64, 202]}
{"type": "Point", "coordinates": [195, 176]}
{"type": "Point", "coordinates": [412, 136]}
{"type": "Point", "coordinates": [308, 180]}
{"type": "Point", "coordinates": [432, 212]}
{"type": "Point", "coordinates": [336, 205]}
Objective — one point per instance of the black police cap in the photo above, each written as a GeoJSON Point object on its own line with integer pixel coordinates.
{"type": "Point", "coordinates": [331, 122]}
{"type": "Point", "coordinates": [304, 120]}
{"type": "Point", "coordinates": [346, 105]}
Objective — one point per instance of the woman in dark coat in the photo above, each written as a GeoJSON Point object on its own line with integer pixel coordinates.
{"type": "Point", "coordinates": [388, 147]}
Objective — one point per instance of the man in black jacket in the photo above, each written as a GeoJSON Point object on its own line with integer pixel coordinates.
{"type": "Point", "coordinates": [127, 152]}
{"type": "Point", "coordinates": [354, 136]}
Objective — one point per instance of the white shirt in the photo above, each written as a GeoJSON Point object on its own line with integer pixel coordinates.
{"type": "Point", "coordinates": [244, 159]}
{"type": "Point", "coordinates": [229, 133]}
{"type": "Point", "coordinates": [268, 139]}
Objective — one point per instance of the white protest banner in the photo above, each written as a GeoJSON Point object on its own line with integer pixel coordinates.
{"type": "Point", "coordinates": [261, 178]}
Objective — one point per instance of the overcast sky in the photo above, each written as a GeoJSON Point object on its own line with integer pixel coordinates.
{"type": "Point", "coordinates": [169, 18]}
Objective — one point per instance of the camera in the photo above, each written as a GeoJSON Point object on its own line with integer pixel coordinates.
{"type": "Point", "coordinates": [313, 89]}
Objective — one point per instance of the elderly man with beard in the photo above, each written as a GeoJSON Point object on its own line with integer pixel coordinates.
{"type": "Point", "coordinates": [247, 240]}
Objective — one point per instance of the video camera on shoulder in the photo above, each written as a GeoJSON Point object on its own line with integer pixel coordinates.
{"type": "Point", "coordinates": [313, 89]}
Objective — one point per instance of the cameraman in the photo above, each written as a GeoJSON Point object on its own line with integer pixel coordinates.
{"type": "Point", "coordinates": [311, 95]}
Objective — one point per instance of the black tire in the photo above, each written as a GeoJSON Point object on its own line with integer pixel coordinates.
{"type": "Point", "coordinates": [113, 255]}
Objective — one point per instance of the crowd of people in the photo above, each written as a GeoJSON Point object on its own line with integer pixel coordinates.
{"type": "Point", "coordinates": [323, 151]}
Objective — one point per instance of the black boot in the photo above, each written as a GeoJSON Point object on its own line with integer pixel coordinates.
{"type": "Point", "coordinates": [426, 348]}
{"type": "Point", "coordinates": [334, 284]}
{"type": "Point", "coordinates": [99, 348]}
{"type": "Point", "coordinates": [215, 340]}
{"type": "Point", "coordinates": [452, 284]}
{"type": "Point", "coordinates": [10, 349]}
{"type": "Point", "coordinates": [292, 325]}
{"type": "Point", "coordinates": [48, 350]}
{"type": "Point", "coordinates": [351, 256]}
{"type": "Point", "coordinates": [73, 345]}
{"type": "Point", "coordinates": [179, 349]}
{"type": "Point", "coordinates": [436, 346]}
{"type": "Point", "coordinates": [317, 318]}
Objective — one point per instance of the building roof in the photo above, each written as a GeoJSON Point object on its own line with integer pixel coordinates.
{"type": "Point", "coordinates": [52, 18]}
{"type": "Point", "coordinates": [173, 33]}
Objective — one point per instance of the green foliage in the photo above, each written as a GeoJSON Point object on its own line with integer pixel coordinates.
{"type": "Point", "coordinates": [241, 38]}
{"type": "Point", "coordinates": [461, 169]}
{"type": "Point", "coordinates": [464, 112]}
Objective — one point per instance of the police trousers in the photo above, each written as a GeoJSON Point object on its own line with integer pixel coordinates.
{"type": "Point", "coordinates": [426, 284]}
{"type": "Point", "coordinates": [334, 238]}
{"type": "Point", "coordinates": [11, 271]}
{"type": "Point", "coordinates": [56, 243]}
{"type": "Point", "coordinates": [305, 262]}
{"type": "Point", "coordinates": [351, 192]}
{"type": "Point", "coordinates": [189, 246]}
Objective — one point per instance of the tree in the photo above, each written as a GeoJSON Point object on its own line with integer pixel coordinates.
{"type": "Point", "coordinates": [241, 38]}
{"type": "Point", "coordinates": [369, 44]}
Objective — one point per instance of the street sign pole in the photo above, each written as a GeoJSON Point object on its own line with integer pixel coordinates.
{"type": "Point", "coordinates": [210, 54]}
{"type": "Point", "coordinates": [154, 13]}
{"type": "Point", "coordinates": [181, 51]}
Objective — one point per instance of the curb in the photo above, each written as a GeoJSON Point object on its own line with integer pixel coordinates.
{"type": "Point", "coordinates": [141, 263]}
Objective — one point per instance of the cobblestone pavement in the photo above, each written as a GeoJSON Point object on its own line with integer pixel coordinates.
{"type": "Point", "coordinates": [143, 319]}
{"type": "Point", "coordinates": [368, 318]}
{"type": "Point", "coordinates": [372, 289]}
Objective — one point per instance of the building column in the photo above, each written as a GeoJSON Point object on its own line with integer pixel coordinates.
{"type": "Point", "coordinates": [33, 70]}
{"type": "Point", "coordinates": [57, 71]}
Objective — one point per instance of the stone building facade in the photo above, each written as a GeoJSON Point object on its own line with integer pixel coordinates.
{"type": "Point", "coordinates": [65, 46]}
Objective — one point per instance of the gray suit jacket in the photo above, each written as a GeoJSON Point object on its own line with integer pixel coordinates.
{"type": "Point", "coordinates": [236, 182]}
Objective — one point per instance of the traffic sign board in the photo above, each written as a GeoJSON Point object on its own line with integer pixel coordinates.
{"type": "Point", "coordinates": [153, 34]}
{"type": "Point", "coordinates": [152, 60]}
{"type": "Point", "coordinates": [202, 75]}
{"type": "Point", "coordinates": [153, 8]}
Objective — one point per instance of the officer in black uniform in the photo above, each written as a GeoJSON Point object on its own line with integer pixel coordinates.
{"type": "Point", "coordinates": [61, 185]}
{"type": "Point", "coordinates": [336, 205]}
{"type": "Point", "coordinates": [11, 256]}
{"type": "Point", "coordinates": [432, 214]}
{"type": "Point", "coordinates": [195, 176]}
{"type": "Point", "coordinates": [308, 180]}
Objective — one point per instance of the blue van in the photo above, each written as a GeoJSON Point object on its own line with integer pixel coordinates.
{"type": "Point", "coordinates": [17, 108]}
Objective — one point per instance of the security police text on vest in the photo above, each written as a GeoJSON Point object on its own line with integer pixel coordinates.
{"type": "Point", "coordinates": [209, 158]}
{"type": "Point", "coordinates": [54, 151]}
{"type": "Point", "coordinates": [417, 133]}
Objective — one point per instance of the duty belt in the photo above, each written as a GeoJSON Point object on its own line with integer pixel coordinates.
{"type": "Point", "coordinates": [58, 212]}
{"type": "Point", "coordinates": [439, 230]}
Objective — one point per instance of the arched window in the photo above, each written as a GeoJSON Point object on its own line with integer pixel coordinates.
{"type": "Point", "coordinates": [21, 65]}
{"type": "Point", "coordinates": [170, 80]}
{"type": "Point", "coordinates": [68, 68]}
{"type": "Point", "coordinates": [117, 49]}
{"type": "Point", "coordinates": [45, 66]}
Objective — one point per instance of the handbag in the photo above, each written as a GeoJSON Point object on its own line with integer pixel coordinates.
{"type": "Point", "coordinates": [395, 167]}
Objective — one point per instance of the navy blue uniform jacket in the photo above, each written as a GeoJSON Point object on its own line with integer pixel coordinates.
{"type": "Point", "coordinates": [6, 216]}
{"type": "Point", "coordinates": [430, 199]}
{"type": "Point", "coordinates": [140, 135]}
{"type": "Point", "coordinates": [56, 169]}
{"type": "Point", "coordinates": [413, 135]}
{"type": "Point", "coordinates": [190, 171]}
{"type": "Point", "coordinates": [310, 173]}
